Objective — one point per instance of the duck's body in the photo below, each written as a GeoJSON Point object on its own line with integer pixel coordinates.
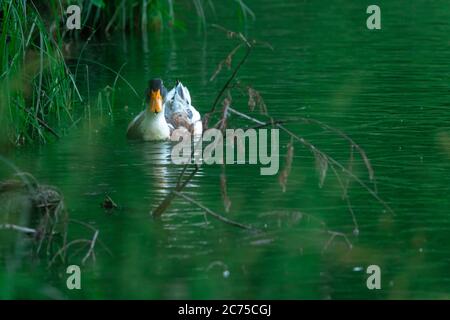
{"type": "Point", "coordinates": [149, 127]}
{"type": "Point", "coordinates": [166, 113]}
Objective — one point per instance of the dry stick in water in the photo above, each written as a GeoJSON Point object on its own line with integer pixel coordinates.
{"type": "Point", "coordinates": [91, 249]}
{"type": "Point", "coordinates": [8, 226]}
{"type": "Point", "coordinates": [333, 235]}
{"type": "Point", "coordinates": [62, 252]}
{"type": "Point", "coordinates": [88, 226]}
{"type": "Point", "coordinates": [212, 213]}
{"type": "Point", "coordinates": [180, 186]}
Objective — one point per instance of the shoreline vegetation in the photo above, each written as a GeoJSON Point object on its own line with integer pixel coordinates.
{"type": "Point", "coordinates": [35, 223]}
{"type": "Point", "coordinates": [37, 90]}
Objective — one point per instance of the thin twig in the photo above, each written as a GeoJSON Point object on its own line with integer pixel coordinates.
{"type": "Point", "coordinates": [212, 213]}
{"type": "Point", "coordinates": [91, 248]}
{"type": "Point", "coordinates": [64, 249]}
{"type": "Point", "coordinates": [17, 228]}
{"type": "Point", "coordinates": [94, 230]}
{"type": "Point", "coordinates": [168, 199]}
{"type": "Point", "coordinates": [333, 235]}
{"type": "Point", "coordinates": [228, 82]}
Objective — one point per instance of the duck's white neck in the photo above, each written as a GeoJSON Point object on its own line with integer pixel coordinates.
{"type": "Point", "coordinates": [156, 127]}
{"type": "Point", "coordinates": [156, 116]}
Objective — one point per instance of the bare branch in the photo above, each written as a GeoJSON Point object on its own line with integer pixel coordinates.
{"type": "Point", "coordinates": [91, 248]}
{"type": "Point", "coordinates": [333, 235]}
{"type": "Point", "coordinates": [329, 158]}
{"type": "Point", "coordinates": [17, 228]}
{"type": "Point", "coordinates": [212, 213]}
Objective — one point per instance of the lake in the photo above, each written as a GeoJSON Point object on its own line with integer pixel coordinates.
{"type": "Point", "coordinates": [387, 89]}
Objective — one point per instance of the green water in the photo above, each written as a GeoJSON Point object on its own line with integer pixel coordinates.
{"type": "Point", "coordinates": [387, 89]}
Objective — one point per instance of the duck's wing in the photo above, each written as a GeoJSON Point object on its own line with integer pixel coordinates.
{"type": "Point", "coordinates": [168, 104]}
{"type": "Point", "coordinates": [183, 92]}
{"type": "Point", "coordinates": [133, 131]}
{"type": "Point", "coordinates": [185, 102]}
{"type": "Point", "coordinates": [188, 119]}
{"type": "Point", "coordinates": [179, 111]}
{"type": "Point", "coordinates": [177, 101]}
{"type": "Point", "coordinates": [174, 109]}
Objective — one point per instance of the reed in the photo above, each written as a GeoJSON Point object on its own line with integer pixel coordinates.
{"type": "Point", "coordinates": [139, 15]}
{"type": "Point", "coordinates": [37, 90]}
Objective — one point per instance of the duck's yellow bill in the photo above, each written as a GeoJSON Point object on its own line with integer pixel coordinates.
{"type": "Point", "coordinates": [156, 101]}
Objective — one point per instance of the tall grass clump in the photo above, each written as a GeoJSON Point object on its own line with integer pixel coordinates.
{"type": "Point", "coordinates": [37, 90]}
{"type": "Point", "coordinates": [141, 15]}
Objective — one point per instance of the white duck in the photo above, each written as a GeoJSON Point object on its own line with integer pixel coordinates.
{"type": "Point", "coordinates": [165, 113]}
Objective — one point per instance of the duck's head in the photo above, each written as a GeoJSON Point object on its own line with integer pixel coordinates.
{"type": "Point", "coordinates": [155, 95]}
